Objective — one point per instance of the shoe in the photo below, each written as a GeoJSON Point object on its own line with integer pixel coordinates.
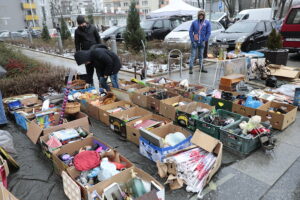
{"type": "Point", "coordinates": [191, 71]}
{"type": "Point", "coordinates": [204, 71]}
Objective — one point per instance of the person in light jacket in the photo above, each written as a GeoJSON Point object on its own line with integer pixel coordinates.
{"type": "Point", "coordinates": [200, 31]}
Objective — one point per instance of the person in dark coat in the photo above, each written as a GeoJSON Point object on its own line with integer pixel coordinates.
{"type": "Point", "coordinates": [105, 61]}
{"type": "Point", "coordinates": [86, 35]}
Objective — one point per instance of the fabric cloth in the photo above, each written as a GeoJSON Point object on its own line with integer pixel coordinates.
{"type": "Point", "coordinates": [204, 27]}
{"type": "Point", "coordinates": [3, 119]}
{"type": "Point", "coordinates": [85, 37]}
{"type": "Point", "coordinates": [86, 160]}
{"type": "Point", "coordinates": [200, 48]}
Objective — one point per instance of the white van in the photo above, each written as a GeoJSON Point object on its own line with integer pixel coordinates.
{"type": "Point", "coordinates": [254, 14]}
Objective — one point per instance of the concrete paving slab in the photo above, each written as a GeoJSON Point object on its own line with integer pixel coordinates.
{"type": "Point", "coordinates": [268, 168]}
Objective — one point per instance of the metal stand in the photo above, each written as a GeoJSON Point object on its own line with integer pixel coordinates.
{"type": "Point", "coordinates": [181, 58]}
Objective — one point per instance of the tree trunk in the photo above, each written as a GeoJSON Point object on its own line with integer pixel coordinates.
{"type": "Point", "coordinates": [283, 2]}
{"type": "Point", "coordinates": [199, 4]}
{"type": "Point", "coordinates": [291, 3]}
{"type": "Point", "coordinates": [203, 4]}
{"type": "Point", "coordinates": [255, 4]}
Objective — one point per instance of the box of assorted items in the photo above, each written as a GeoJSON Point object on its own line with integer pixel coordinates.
{"type": "Point", "coordinates": [157, 143]}
{"type": "Point", "coordinates": [148, 122]}
{"type": "Point", "coordinates": [86, 155]}
{"type": "Point", "coordinates": [242, 137]}
{"type": "Point", "coordinates": [184, 88]}
{"type": "Point", "coordinates": [280, 115]}
{"type": "Point", "coordinates": [113, 108]}
{"type": "Point", "coordinates": [133, 183]}
{"type": "Point", "coordinates": [52, 142]}
{"type": "Point", "coordinates": [48, 121]}
{"type": "Point", "coordinates": [229, 82]}
{"type": "Point", "coordinates": [247, 105]}
{"type": "Point", "coordinates": [212, 122]}
{"type": "Point", "coordinates": [168, 106]}
{"type": "Point", "coordinates": [125, 90]}
{"type": "Point", "coordinates": [203, 97]}
{"type": "Point", "coordinates": [17, 102]}
{"type": "Point", "coordinates": [5, 194]}
{"type": "Point", "coordinates": [118, 120]}
{"type": "Point", "coordinates": [193, 166]}
{"type": "Point", "coordinates": [223, 100]}
{"type": "Point", "coordinates": [158, 82]}
{"type": "Point", "coordinates": [155, 99]}
{"type": "Point", "coordinates": [89, 162]}
{"type": "Point", "coordinates": [140, 97]}
{"type": "Point", "coordinates": [187, 115]}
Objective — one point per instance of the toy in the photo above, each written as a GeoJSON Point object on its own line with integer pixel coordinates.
{"type": "Point", "coordinates": [253, 123]}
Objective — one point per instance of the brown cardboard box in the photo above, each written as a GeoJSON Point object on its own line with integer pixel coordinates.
{"type": "Point", "coordinates": [104, 115]}
{"type": "Point", "coordinates": [34, 131]}
{"type": "Point", "coordinates": [154, 102]}
{"type": "Point", "coordinates": [123, 93]}
{"type": "Point", "coordinates": [124, 177]}
{"type": "Point", "coordinates": [139, 98]}
{"type": "Point", "coordinates": [278, 121]}
{"type": "Point", "coordinates": [169, 111]}
{"type": "Point", "coordinates": [284, 71]}
{"type": "Point", "coordinates": [155, 82]}
{"type": "Point", "coordinates": [45, 138]}
{"type": "Point", "coordinates": [243, 110]}
{"type": "Point", "coordinates": [188, 93]}
{"type": "Point", "coordinates": [207, 143]}
{"type": "Point", "coordinates": [229, 80]}
{"type": "Point", "coordinates": [5, 194]}
{"type": "Point", "coordinates": [25, 102]}
{"type": "Point", "coordinates": [118, 120]}
{"type": "Point", "coordinates": [133, 134]}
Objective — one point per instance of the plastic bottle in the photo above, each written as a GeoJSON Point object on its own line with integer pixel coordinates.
{"type": "Point", "coordinates": [137, 185]}
{"type": "Point", "coordinates": [107, 170]}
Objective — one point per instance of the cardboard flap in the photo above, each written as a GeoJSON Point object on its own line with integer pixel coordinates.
{"type": "Point", "coordinates": [204, 141]}
{"type": "Point", "coordinates": [71, 189]}
{"type": "Point", "coordinates": [34, 132]}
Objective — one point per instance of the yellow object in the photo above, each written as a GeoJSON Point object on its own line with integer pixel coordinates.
{"type": "Point", "coordinates": [183, 118]}
{"type": "Point", "coordinates": [134, 80]}
{"type": "Point", "coordinates": [31, 17]}
{"type": "Point", "coordinates": [29, 6]}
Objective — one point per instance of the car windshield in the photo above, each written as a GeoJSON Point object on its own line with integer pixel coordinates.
{"type": "Point", "coordinates": [216, 16]}
{"type": "Point", "coordinates": [147, 24]}
{"type": "Point", "coordinates": [110, 30]}
{"type": "Point", "coordinates": [294, 17]}
{"type": "Point", "coordinates": [241, 27]}
{"type": "Point", "coordinates": [183, 27]}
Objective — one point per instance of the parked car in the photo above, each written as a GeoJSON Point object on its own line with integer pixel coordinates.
{"type": "Point", "coordinates": [7, 35]}
{"type": "Point", "coordinates": [252, 34]}
{"type": "Point", "coordinates": [114, 30]}
{"type": "Point", "coordinates": [180, 35]}
{"type": "Point", "coordinates": [290, 30]}
{"type": "Point", "coordinates": [53, 33]}
{"type": "Point", "coordinates": [220, 17]}
{"type": "Point", "coordinates": [254, 14]}
{"type": "Point", "coordinates": [159, 28]}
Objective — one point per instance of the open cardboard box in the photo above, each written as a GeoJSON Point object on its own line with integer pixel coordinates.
{"type": "Point", "coordinates": [278, 121]}
{"type": "Point", "coordinates": [184, 114]}
{"type": "Point", "coordinates": [154, 101]}
{"type": "Point", "coordinates": [26, 101]}
{"type": "Point", "coordinates": [133, 134]}
{"type": "Point", "coordinates": [139, 98]}
{"type": "Point", "coordinates": [124, 177]}
{"type": "Point", "coordinates": [203, 141]}
{"type": "Point", "coordinates": [5, 194]}
{"type": "Point", "coordinates": [150, 150]}
{"type": "Point", "coordinates": [45, 138]}
{"type": "Point", "coordinates": [126, 93]}
{"type": "Point", "coordinates": [155, 82]}
{"type": "Point", "coordinates": [168, 110]}
{"type": "Point", "coordinates": [118, 120]}
{"type": "Point", "coordinates": [104, 115]}
{"type": "Point", "coordinates": [188, 93]}
{"type": "Point", "coordinates": [34, 131]}
{"type": "Point", "coordinates": [245, 111]}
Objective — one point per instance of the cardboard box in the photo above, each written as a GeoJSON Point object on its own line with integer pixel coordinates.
{"type": "Point", "coordinates": [207, 143]}
{"type": "Point", "coordinates": [104, 115]}
{"type": "Point", "coordinates": [118, 120]}
{"type": "Point", "coordinates": [124, 177]}
{"type": "Point", "coordinates": [31, 99]}
{"type": "Point", "coordinates": [5, 194]}
{"type": "Point", "coordinates": [156, 153]}
{"type": "Point", "coordinates": [125, 93]}
{"type": "Point", "coordinates": [184, 114]}
{"type": "Point", "coordinates": [278, 121]}
{"type": "Point", "coordinates": [191, 90]}
{"type": "Point", "coordinates": [156, 84]}
{"type": "Point", "coordinates": [284, 71]}
{"type": "Point", "coordinates": [133, 134]}
{"type": "Point", "coordinates": [155, 99]}
{"type": "Point", "coordinates": [35, 131]}
{"type": "Point", "coordinates": [44, 139]}
{"type": "Point", "coordinates": [139, 98]}
{"type": "Point", "coordinates": [243, 110]}
{"type": "Point", "coordinates": [232, 79]}
{"type": "Point", "coordinates": [168, 110]}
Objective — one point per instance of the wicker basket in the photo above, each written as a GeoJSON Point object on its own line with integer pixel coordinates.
{"type": "Point", "coordinates": [72, 107]}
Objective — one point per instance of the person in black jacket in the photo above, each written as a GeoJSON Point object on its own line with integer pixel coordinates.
{"type": "Point", "coordinates": [86, 35]}
{"type": "Point", "coordinates": [105, 61]}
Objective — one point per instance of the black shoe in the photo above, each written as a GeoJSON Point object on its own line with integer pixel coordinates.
{"type": "Point", "coordinates": [204, 71]}
{"type": "Point", "coordinates": [191, 71]}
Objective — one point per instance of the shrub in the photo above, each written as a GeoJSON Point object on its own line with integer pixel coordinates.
{"type": "Point", "coordinates": [64, 31]}
{"type": "Point", "coordinates": [45, 33]}
{"type": "Point", "coordinates": [274, 40]}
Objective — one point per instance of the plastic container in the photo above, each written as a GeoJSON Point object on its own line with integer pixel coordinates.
{"type": "Point", "coordinates": [202, 99]}
{"type": "Point", "coordinates": [221, 104]}
{"type": "Point", "coordinates": [21, 120]}
{"type": "Point", "coordinates": [239, 144]}
{"type": "Point", "coordinates": [214, 130]}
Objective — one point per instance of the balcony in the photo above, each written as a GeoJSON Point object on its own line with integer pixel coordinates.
{"type": "Point", "coordinates": [29, 6]}
{"type": "Point", "coordinates": [31, 17]}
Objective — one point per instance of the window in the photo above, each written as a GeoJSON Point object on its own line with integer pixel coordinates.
{"type": "Point", "coordinates": [269, 26]}
{"type": "Point", "coordinates": [158, 24]}
{"type": "Point", "coordinates": [261, 27]}
{"type": "Point", "coordinates": [294, 16]}
{"type": "Point", "coordinates": [125, 4]}
{"type": "Point", "coordinates": [144, 3]}
{"type": "Point", "coordinates": [167, 23]}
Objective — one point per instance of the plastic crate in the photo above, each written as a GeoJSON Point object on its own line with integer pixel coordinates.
{"type": "Point", "coordinates": [202, 99]}
{"type": "Point", "coordinates": [239, 144]}
{"type": "Point", "coordinates": [221, 104]}
{"type": "Point", "coordinates": [21, 120]}
{"type": "Point", "coordinates": [212, 129]}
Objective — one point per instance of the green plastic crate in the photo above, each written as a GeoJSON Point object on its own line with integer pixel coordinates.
{"type": "Point", "coordinates": [212, 129]}
{"type": "Point", "coordinates": [202, 99]}
{"type": "Point", "coordinates": [221, 104]}
{"type": "Point", "coordinates": [239, 144]}
{"type": "Point", "coordinates": [185, 120]}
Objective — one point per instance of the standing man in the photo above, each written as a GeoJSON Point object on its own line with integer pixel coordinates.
{"type": "Point", "coordinates": [200, 31]}
{"type": "Point", "coordinates": [86, 35]}
{"type": "Point", "coordinates": [106, 62]}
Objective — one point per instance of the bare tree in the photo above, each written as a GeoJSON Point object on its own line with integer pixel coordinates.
{"type": "Point", "coordinates": [203, 4]}
{"type": "Point", "coordinates": [55, 6]}
{"type": "Point", "coordinates": [230, 5]}
{"type": "Point", "coordinates": [282, 4]}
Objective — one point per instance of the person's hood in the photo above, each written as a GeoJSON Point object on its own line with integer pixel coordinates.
{"type": "Point", "coordinates": [225, 37]}
{"type": "Point", "coordinates": [201, 12]}
{"type": "Point", "coordinates": [82, 57]}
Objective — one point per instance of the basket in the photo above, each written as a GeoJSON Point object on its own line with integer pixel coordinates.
{"type": "Point", "coordinates": [78, 84]}
{"type": "Point", "coordinates": [72, 108]}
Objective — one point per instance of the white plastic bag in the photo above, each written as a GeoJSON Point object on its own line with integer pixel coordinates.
{"type": "Point", "coordinates": [6, 141]}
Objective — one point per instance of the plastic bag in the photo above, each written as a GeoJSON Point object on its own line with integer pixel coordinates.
{"type": "Point", "coordinates": [287, 89]}
{"type": "Point", "coordinates": [6, 141]}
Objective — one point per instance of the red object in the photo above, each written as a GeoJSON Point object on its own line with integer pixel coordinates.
{"type": "Point", "coordinates": [3, 176]}
{"type": "Point", "coordinates": [259, 131]}
{"type": "Point", "coordinates": [119, 165]}
{"type": "Point", "coordinates": [86, 160]}
{"type": "Point", "coordinates": [290, 30]}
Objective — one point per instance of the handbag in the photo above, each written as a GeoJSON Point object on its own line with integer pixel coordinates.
{"type": "Point", "coordinates": [196, 36]}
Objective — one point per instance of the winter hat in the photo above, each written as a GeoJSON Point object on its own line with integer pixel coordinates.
{"type": "Point", "coordinates": [82, 57]}
{"type": "Point", "coordinates": [201, 12]}
{"type": "Point", "coordinates": [80, 19]}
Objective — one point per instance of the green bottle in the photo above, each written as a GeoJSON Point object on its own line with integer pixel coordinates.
{"type": "Point", "coordinates": [137, 185]}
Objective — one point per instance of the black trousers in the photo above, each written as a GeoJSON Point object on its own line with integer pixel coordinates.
{"type": "Point", "coordinates": [90, 73]}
